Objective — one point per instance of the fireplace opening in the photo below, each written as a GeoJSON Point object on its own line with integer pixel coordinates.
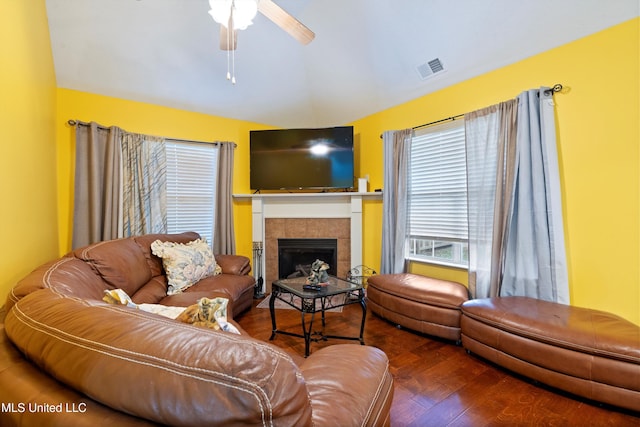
{"type": "Point", "coordinates": [295, 256]}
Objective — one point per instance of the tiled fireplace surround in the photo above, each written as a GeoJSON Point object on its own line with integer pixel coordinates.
{"type": "Point", "coordinates": [308, 215]}
{"type": "Point", "coordinates": [306, 228]}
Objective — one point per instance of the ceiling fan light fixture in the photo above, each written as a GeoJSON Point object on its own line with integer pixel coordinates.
{"type": "Point", "coordinates": [243, 12]}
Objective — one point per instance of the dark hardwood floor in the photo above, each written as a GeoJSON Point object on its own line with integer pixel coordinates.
{"type": "Point", "coordinates": [438, 383]}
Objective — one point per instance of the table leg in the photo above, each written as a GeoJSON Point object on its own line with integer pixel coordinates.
{"type": "Point", "coordinates": [363, 304]}
{"type": "Point", "coordinates": [307, 332]}
{"type": "Point", "coordinates": [322, 301]}
{"type": "Point", "coordinates": [272, 311]}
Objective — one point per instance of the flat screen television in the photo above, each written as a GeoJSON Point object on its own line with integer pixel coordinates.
{"type": "Point", "coordinates": [284, 159]}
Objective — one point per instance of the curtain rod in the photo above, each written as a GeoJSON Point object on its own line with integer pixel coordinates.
{"type": "Point", "coordinates": [72, 122]}
{"type": "Point", "coordinates": [556, 88]}
{"type": "Point", "coordinates": [438, 121]}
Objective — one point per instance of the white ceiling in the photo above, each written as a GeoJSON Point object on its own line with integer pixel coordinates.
{"type": "Point", "coordinates": [363, 59]}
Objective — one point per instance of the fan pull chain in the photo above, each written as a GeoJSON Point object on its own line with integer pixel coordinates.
{"type": "Point", "coordinates": [228, 73]}
{"type": "Point", "coordinates": [233, 67]}
{"type": "Point", "coordinates": [230, 34]}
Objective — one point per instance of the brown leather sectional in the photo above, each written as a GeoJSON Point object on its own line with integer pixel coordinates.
{"type": "Point", "coordinates": [69, 359]}
{"type": "Point", "coordinates": [128, 264]}
{"type": "Point", "coordinates": [590, 353]}
{"type": "Point", "coordinates": [424, 304]}
{"type": "Point", "coordinates": [586, 352]}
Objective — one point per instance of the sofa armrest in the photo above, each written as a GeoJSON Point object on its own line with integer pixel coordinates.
{"type": "Point", "coordinates": [349, 385]}
{"type": "Point", "coordinates": [23, 385]}
{"type": "Point", "coordinates": [155, 368]}
{"type": "Point", "coordinates": [234, 264]}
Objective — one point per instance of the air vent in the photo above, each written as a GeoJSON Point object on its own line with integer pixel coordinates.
{"type": "Point", "coordinates": [428, 69]}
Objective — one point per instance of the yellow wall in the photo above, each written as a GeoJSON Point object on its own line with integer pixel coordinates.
{"type": "Point", "coordinates": [152, 120]}
{"type": "Point", "coordinates": [27, 148]}
{"type": "Point", "coordinates": [598, 127]}
{"type": "Point", "coordinates": [598, 121]}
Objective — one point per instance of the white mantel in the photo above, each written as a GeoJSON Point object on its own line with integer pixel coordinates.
{"type": "Point", "coordinates": [310, 205]}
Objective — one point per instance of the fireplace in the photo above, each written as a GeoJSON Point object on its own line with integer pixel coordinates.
{"type": "Point", "coordinates": [336, 215]}
{"type": "Point", "coordinates": [315, 229]}
{"type": "Point", "coordinates": [295, 256]}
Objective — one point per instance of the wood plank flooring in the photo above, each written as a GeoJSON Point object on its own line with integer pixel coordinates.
{"type": "Point", "coordinates": [438, 383]}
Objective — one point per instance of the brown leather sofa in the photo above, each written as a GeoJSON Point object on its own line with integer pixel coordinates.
{"type": "Point", "coordinates": [129, 264]}
{"type": "Point", "coordinates": [589, 353]}
{"type": "Point", "coordinates": [69, 359]}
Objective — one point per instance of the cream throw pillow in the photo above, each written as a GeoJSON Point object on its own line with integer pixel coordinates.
{"type": "Point", "coordinates": [185, 263]}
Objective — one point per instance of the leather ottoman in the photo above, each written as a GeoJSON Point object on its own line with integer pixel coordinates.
{"type": "Point", "coordinates": [589, 353]}
{"type": "Point", "coordinates": [427, 305]}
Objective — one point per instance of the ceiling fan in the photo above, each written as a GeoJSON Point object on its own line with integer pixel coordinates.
{"type": "Point", "coordinates": [234, 15]}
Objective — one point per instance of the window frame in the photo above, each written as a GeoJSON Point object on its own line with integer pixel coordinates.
{"type": "Point", "coordinates": [437, 148]}
{"type": "Point", "coordinates": [191, 187]}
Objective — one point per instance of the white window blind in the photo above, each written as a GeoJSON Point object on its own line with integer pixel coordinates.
{"type": "Point", "coordinates": [438, 184]}
{"type": "Point", "coordinates": [191, 187]}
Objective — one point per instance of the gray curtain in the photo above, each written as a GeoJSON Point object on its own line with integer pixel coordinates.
{"type": "Point", "coordinates": [144, 183]}
{"type": "Point", "coordinates": [516, 235]}
{"type": "Point", "coordinates": [394, 200]}
{"type": "Point", "coordinates": [535, 258]}
{"type": "Point", "coordinates": [490, 135]}
{"type": "Point", "coordinates": [97, 198]}
{"type": "Point", "coordinates": [224, 241]}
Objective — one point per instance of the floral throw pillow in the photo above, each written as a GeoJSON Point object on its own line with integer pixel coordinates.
{"type": "Point", "coordinates": [185, 263]}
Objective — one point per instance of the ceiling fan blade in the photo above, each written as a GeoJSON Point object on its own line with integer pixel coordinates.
{"type": "Point", "coordinates": [226, 42]}
{"type": "Point", "coordinates": [285, 21]}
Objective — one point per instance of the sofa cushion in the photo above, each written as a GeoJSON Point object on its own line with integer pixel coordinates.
{"type": "Point", "coordinates": [233, 286]}
{"type": "Point", "coordinates": [187, 375]}
{"type": "Point", "coordinates": [185, 263]}
{"type": "Point", "coordinates": [186, 299]}
{"type": "Point", "coordinates": [119, 262]}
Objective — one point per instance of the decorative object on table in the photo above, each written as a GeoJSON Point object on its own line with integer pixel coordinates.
{"type": "Point", "coordinates": [318, 274]}
{"type": "Point", "coordinates": [360, 274]}
{"type": "Point", "coordinates": [257, 266]}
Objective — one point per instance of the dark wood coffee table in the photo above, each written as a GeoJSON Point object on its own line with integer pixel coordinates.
{"type": "Point", "coordinates": [336, 293]}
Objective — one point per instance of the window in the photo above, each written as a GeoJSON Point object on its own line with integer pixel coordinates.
{"type": "Point", "coordinates": [438, 195]}
{"type": "Point", "coordinates": [191, 187]}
